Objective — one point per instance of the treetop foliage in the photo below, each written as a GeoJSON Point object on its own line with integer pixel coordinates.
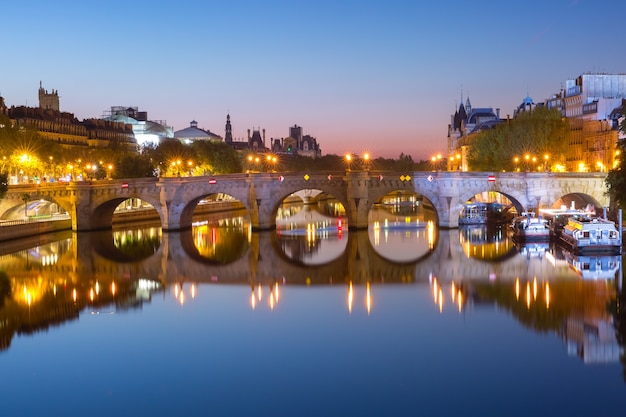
{"type": "Point", "coordinates": [536, 133]}
{"type": "Point", "coordinates": [616, 179]}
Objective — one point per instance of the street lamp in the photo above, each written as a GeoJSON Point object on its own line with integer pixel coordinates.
{"type": "Point", "coordinates": [516, 160]}
{"type": "Point", "coordinates": [546, 157]}
{"type": "Point", "coordinates": [92, 168]}
{"type": "Point", "coordinates": [52, 167]}
{"type": "Point", "coordinates": [366, 158]}
{"type": "Point", "coordinates": [600, 166]}
{"type": "Point", "coordinates": [271, 162]}
{"type": "Point", "coordinates": [176, 167]}
{"type": "Point", "coordinates": [436, 160]}
{"type": "Point", "coordinates": [527, 158]}
{"type": "Point", "coordinates": [348, 160]}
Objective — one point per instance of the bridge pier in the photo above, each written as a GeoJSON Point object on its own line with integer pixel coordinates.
{"type": "Point", "coordinates": [358, 199]}
{"type": "Point", "coordinates": [91, 204]}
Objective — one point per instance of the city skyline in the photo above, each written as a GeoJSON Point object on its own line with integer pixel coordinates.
{"type": "Point", "coordinates": [381, 78]}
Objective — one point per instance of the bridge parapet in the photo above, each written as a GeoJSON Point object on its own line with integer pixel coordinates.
{"type": "Point", "coordinates": [91, 203]}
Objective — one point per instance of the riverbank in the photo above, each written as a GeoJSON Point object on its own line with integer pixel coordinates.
{"type": "Point", "coordinates": [17, 229]}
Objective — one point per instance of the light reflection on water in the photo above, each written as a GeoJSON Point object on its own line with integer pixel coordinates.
{"type": "Point", "coordinates": [408, 314]}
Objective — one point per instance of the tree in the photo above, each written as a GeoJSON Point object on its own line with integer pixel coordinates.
{"type": "Point", "coordinates": [215, 158]}
{"type": "Point", "coordinates": [25, 151]}
{"type": "Point", "coordinates": [170, 155]}
{"type": "Point", "coordinates": [4, 184]}
{"type": "Point", "coordinates": [536, 133]}
{"type": "Point", "coordinates": [25, 199]}
{"type": "Point", "coordinates": [134, 166]}
{"type": "Point", "coordinates": [616, 178]}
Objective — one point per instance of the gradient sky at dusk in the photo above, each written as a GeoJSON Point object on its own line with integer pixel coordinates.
{"type": "Point", "coordinates": [374, 76]}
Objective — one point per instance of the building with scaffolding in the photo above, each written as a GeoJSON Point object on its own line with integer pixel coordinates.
{"type": "Point", "coordinates": [145, 131]}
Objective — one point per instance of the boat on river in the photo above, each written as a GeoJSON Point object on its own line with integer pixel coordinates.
{"type": "Point", "coordinates": [585, 234]}
{"type": "Point", "coordinates": [557, 218]}
{"type": "Point", "coordinates": [477, 213]}
{"type": "Point", "coordinates": [529, 228]}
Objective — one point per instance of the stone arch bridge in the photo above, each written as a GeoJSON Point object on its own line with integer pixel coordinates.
{"type": "Point", "coordinates": [91, 203]}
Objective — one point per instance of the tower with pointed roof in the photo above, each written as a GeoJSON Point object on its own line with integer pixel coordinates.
{"type": "Point", "coordinates": [228, 137]}
{"type": "Point", "coordinates": [466, 121]}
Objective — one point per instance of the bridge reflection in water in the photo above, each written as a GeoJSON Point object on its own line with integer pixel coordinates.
{"type": "Point", "coordinates": [47, 280]}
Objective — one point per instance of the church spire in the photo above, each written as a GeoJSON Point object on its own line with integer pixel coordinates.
{"type": "Point", "coordinates": [228, 137]}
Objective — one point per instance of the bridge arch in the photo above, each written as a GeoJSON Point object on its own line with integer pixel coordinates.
{"type": "Point", "coordinates": [15, 202]}
{"type": "Point", "coordinates": [579, 200]}
{"type": "Point", "coordinates": [332, 188]}
{"type": "Point", "coordinates": [262, 193]}
{"type": "Point", "coordinates": [102, 215]}
{"type": "Point", "coordinates": [179, 197]}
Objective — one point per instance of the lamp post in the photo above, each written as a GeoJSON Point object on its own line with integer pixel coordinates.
{"type": "Point", "coordinates": [546, 158]}
{"type": "Point", "coordinates": [271, 162]}
{"type": "Point", "coordinates": [366, 160]}
{"type": "Point", "coordinates": [515, 161]}
{"type": "Point", "coordinates": [436, 161]}
{"type": "Point", "coordinates": [51, 159]}
{"type": "Point", "coordinates": [190, 165]}
{"type": "Point", "coordinates": [176, 167]}
{"type": "Point", "coordinates": [348, 160]}
{"type": "Point", "coordinates": [527, 158]}
{"type": "Point", "coordinates": [600, 166]}
{"type": "Point", "coordinates": [25, 199]}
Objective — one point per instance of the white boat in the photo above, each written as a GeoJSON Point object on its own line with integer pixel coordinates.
{"type": "Point", "coordinates": [473, 213]}
{"type": "Point", "coordinates": [557, 218]}
{"type": "Point", "coordinates": [585, 234]}
{"type": "Point", "coordinates": [485, 213]}
{"type": "Point", "coordinates": [528, 228]}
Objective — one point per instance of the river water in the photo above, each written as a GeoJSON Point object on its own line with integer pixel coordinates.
{"type": "Point", "coordinates": [309, 320]}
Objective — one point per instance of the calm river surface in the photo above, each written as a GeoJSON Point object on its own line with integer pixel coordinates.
{"type": "Point", "coordinates": [311, 320]}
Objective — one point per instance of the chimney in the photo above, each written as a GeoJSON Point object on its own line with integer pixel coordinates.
{"type": "Point", "coordinates": [498, 113]}
{"type": "Point", "coordinates": [248, 134]}
{"type": "Point", "coordinates": [263, 137]}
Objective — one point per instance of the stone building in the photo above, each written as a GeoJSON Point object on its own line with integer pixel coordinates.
{"type": "Point", "coordinates": [464, 123]}
{"type": "Point", "coordinates": [297, 144]}
{"type": "Point", "coordinates": [63, 127]}
{"type": "Point", "coordinates": [592, 103]}
{"type": "Point", "coordinates": [193, 133]}
{"type": "Point", "coordinates": [146, 131]}
{"type": "Point", "coordinates": [48, 101]}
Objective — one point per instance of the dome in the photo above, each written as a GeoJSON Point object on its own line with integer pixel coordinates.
{"type": "Point", "coordinates": [527, 102]}
{"type": "Point", "coordinates": [190, 132]}
{"type": "Point", "coordinates": [193, 132]}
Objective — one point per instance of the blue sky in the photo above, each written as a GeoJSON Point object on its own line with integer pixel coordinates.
{"type": "Point", "coordinates": [382, 77]}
